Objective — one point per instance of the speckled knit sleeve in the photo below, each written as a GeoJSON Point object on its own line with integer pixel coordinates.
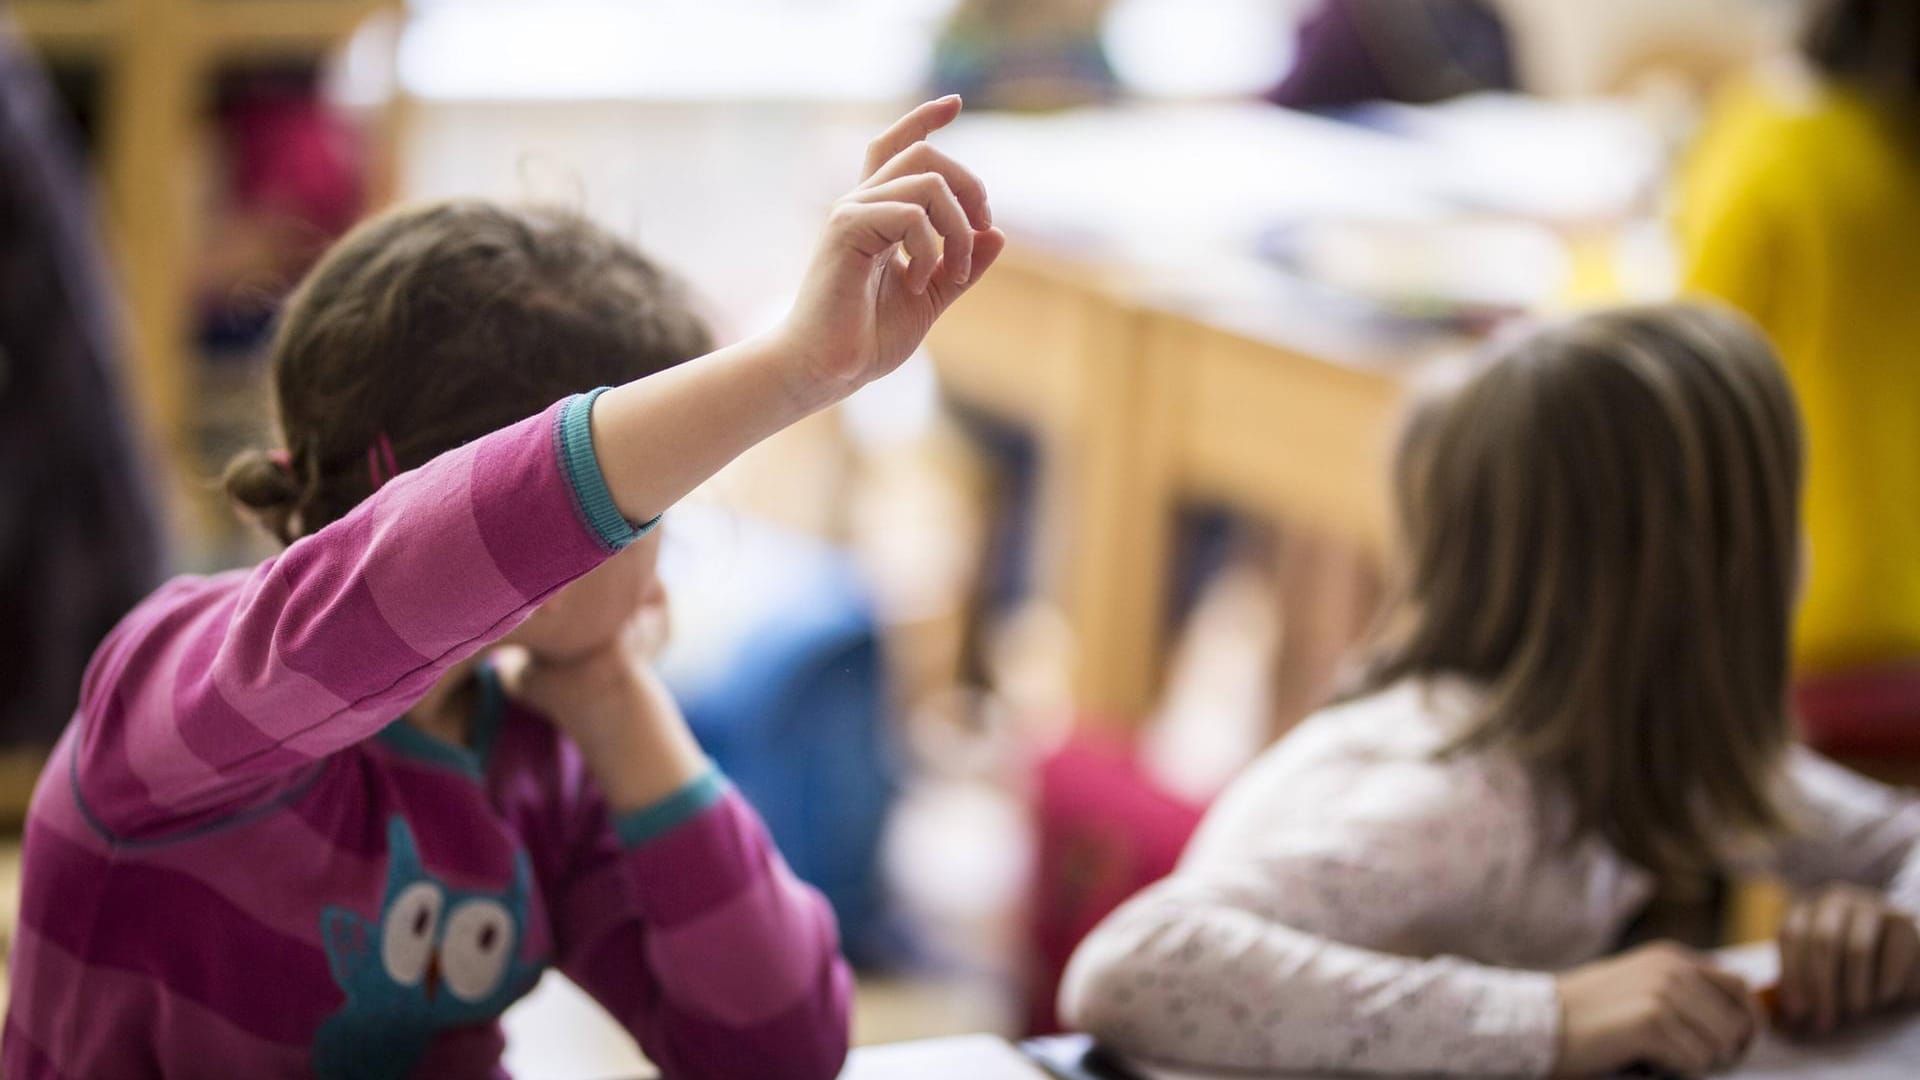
{"type": "Point", "coordinates": [1852, 829]}
{"type": "Point", "coordinates": [1302, 942]}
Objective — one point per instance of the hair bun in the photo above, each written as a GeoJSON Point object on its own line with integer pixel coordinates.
{"type": "Point", "coordinates": [266, 489]}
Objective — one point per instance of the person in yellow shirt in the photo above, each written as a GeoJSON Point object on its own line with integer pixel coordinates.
{"type": "Point", "coordinates": [1801, 206]}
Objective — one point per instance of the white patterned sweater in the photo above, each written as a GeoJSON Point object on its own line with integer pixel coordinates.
{"type": "Point", "coordinates": [1352, 903]}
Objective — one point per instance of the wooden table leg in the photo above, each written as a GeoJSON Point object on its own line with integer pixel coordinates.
{"type": "Point", "coordinates": [1116, 528]}
{"type": "Point", "coordinates": [153, 96]}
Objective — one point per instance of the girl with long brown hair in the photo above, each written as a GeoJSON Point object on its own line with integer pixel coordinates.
{"type": "Point", "coordinates": [1578, 703]}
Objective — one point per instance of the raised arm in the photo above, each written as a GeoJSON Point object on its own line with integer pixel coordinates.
{"type": "Point", "coordinates": [898, 251]}
{"type": "Point", "coordinates": [216, 692]}
{"type": "Point", "coordinates": [219, 691]}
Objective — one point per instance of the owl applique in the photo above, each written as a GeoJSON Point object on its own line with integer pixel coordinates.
{"type": "Point", "coordinates": [434, 957]}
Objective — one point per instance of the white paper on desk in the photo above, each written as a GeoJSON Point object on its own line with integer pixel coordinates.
{"type": "Point", "coordinates": [1886, 1052]}
{"type": "Point", "coordinates": [963, 1057]}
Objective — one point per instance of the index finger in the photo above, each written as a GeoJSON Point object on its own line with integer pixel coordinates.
{"type": "Point", "coordinates": [924, 120]}
{"type": "Point", "coordinates": [1862, 948]}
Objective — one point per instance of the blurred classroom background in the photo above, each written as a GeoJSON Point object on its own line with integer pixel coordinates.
{"type": "Point", "coordinates": [1028, 603]}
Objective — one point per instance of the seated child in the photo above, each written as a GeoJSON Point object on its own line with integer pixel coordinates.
{"type": "Point", "coordinates": [1580, 702]}
{"type": "Point", "coordinates": [301, 825]}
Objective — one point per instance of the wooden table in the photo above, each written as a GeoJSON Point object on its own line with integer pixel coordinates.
{"type": "Point", "coordinates": [1135, 330]}
{"type": "Point", "coordinates": [1137, 405]}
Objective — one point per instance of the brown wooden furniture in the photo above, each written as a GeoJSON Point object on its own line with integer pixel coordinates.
{"type": "Point", "coordinates": [1136, 408]}
{"type": "Point", "coordinates": [157, 59]}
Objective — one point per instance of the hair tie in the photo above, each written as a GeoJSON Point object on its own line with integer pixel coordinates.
{"type": "Point", "coordinates": [282, 459]}
{"type": "Point", "coordinates": [381, 464]}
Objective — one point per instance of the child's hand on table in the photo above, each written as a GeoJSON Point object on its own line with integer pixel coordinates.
{"type": "Point", "coordinates": [1845, 955]}
{"type": "Point", "coordinates": [613, 706]}
{"type": "Point", "coordinates": [866, 303]}
{"type": "Point", "coordinates": [1660, 1005]}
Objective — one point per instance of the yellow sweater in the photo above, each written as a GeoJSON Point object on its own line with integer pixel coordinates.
{"type": "Point", "coordinates": [1802, 207]}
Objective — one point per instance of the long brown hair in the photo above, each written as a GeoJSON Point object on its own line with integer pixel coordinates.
{"type": "Point", "coordinates": [434, 325]}
{"type": "Point", "coordinates": [1601, 526]}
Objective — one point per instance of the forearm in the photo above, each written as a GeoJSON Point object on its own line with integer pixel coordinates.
{"type": "Point", "coordinates": [660, 437]}
{"type": "Point", "coordinates": [1192, 983]}
{"type": "Point", "coordinates": [712, 953]}
{"type": "Point", "coordinates": [644, 753]}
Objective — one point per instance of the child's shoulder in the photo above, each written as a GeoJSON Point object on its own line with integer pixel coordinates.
{"type": "Point", "coordinates": [176, 602]}
{"type": "Point", "coordinates": [1411, 719]}
{"type": "Point", "coordinates": [1370, 775]}
{"type": "Point", "coordinates": [1391, 742]}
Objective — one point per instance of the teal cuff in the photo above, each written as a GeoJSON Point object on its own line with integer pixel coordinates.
{"type": "Point", "coordinates": [582, 466]}
{"type": "Point", "coordinates": [636, 827]}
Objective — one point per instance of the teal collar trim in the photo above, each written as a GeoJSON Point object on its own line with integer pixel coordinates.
{"type": "Point", "coordinates": [403, 738]}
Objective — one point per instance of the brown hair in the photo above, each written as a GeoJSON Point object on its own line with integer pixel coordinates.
{"type": "Point", "coordinates": [1873, 44]}
{"type": "Point", "coordinates": [1601, 527]}
{"type": "Point", "coordinates": [433, 325]}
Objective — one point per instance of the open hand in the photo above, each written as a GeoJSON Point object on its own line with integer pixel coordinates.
{"type": "Point", "coordinates": [897, 252]}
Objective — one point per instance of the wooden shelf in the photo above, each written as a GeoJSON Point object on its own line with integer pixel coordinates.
{"type": "Point", "coordinates": [71, 28]}
{"type": "Point", "coordinates": [158, 60]}
{"type": "Point", "coordinates": [243, 29]}
{"type": "Point", "coordinates": [222, 29]}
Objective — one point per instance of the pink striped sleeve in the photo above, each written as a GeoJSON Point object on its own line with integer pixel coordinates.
{"type": "Point", "coordinates": [702, 942]}
{"type": "Point", "coordinates": [216, 689]}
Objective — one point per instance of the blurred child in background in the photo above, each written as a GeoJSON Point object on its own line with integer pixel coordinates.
{"type": "Point", "coordinates": [1579, 704]}
{"type": "Point", "coordinates": [1802, 208]}
{"type": "Point", "coordinates": [80, 528]}
{"type": "Point", "coordinates": [1025, 54]}
{"type": "Point", "coordinates": [301, 824]}
{"type": "Point", "coordinates": [1354, 51]}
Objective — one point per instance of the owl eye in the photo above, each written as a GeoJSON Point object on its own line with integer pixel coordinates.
{"type": "Point", "coordinates": [407, 942]}
{"type": "Point", "coordinates": [474, 953]}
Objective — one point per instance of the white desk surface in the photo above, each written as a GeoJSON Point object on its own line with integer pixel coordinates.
{"type": "Point", "coordinates": [966, 1057]}
{"type": "Point", "coordinates": [1886, 1052]}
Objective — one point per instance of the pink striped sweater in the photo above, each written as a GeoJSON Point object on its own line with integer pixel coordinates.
{"type": "Point", "coordinates": [237, 864]}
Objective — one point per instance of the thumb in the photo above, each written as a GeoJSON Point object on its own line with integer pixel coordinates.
{"type": "Point", "coordinates": [987, 246]}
